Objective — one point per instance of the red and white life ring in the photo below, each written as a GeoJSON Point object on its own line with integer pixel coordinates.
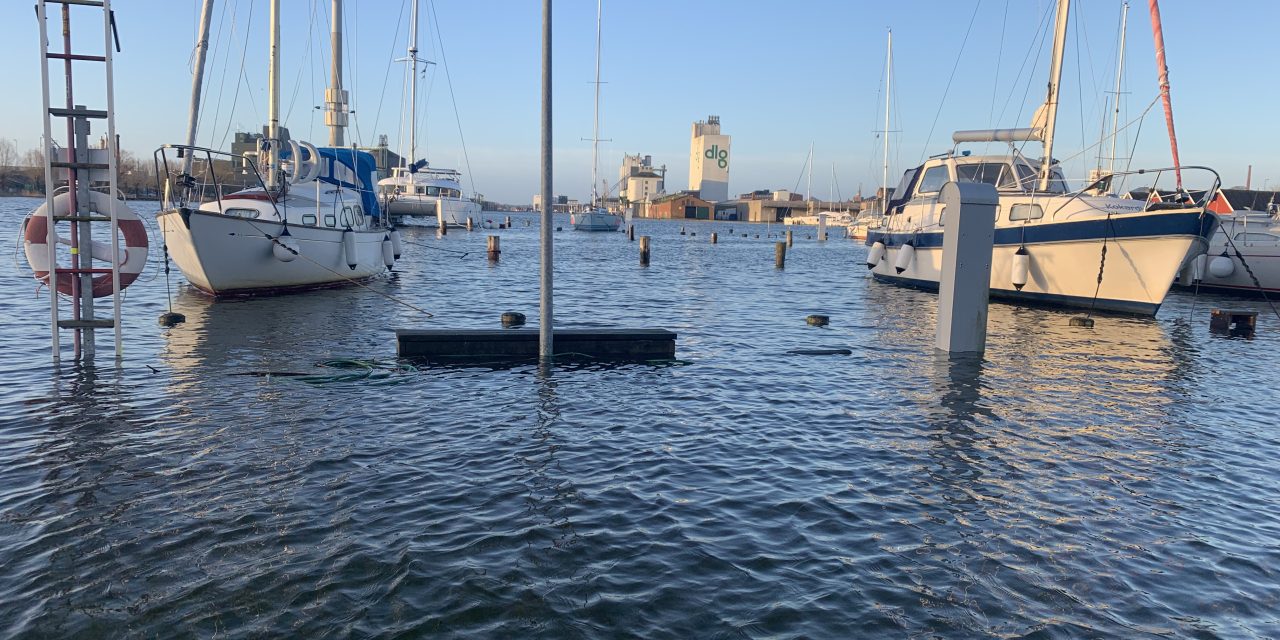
{"type": "Point", "coordinates": [35, 240]}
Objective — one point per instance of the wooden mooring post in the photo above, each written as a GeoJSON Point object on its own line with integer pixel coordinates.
{"type": "Point", "coordinates": [789, 239]}
{"type": "Point", "coordinates": [780, 255]}
{"type": "Point", "coordinates": [631, 232]}
{"type": "Point", "coordinates": [494, 248]}
{"type": "Point", "coordinates": [468, 223]}
{"type": "Point", "coordinates": [714, 237]}
{"type": "Point", "coordinates": [644, 251]}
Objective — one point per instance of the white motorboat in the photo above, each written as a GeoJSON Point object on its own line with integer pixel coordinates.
{"type": "Point", "coordinates": [862, 225]}
{"type": "Point", "coordinates": [312, 222]}
{"type": "Point", "coordinates": [1052, 245]}
{"type": "Point", "coordinates": [433, 197]}
{"type": "Point", "coordinates": [1243, 256]}
{"type": "Point", "coordinates": [596, 217]}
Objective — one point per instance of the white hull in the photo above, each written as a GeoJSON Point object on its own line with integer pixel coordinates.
{"type": "Point", "coordinates": [453, 211]}
{"type": "Point", "coordinates": [223, 255]}
{"type": "Point", "coordinates": [595, 221]}
{"type": "Point", "coordinates": [1136, 277]}
{"type": "Point", "coordinates": [1257, 238]}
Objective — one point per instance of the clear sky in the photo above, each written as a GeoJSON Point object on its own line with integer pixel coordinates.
{"type": "Point", "coordinates": [781, 76]}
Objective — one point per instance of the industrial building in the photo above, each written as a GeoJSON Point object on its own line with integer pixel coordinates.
{"type": "Point", "coordinates": [639, 183]}
{"type": "Point", "coordinates": [709, 160]}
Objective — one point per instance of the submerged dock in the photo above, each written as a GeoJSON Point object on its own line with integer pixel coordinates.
{"type": "Point", "coordinates": [453, 345]}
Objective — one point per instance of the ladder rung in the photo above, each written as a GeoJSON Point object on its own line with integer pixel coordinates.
{"type": "Point", "coordinates": [86, 324]}
{"type": "Point", "coordinates": [72, 113]}
{"type": "Point", "coordinates": [73, 270]}
{"type": "Point", "coordinates": [87, 3]}
{"type": "Point", "coordinates": [77, 56]}
{"type": "Point", "coordinates": [79, 165]}
{"type": "Point", "coordinates": [82, 218]}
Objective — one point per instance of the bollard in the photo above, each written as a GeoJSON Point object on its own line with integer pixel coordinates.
{"type": "Point", "coordinates": [714, 237]}
{"type": "Point", "coordinates": [468, 223]}
{"type": "Point", "coordinates": [494, 248]}
{"type": "Point", "coordinates": [780, 255]}
{"type": "Point", "coordinates": [631, 232]}
{"type": "Point", "coordinates": [788, 237]}
{"type": "Point", "coordinates": [508, 222]}
{"type": "Point", "coordinates": [444, 229]}
{"type": "Point", "coordinates": [681, 230]}
{"type": "Point", "coordinates": [967, 238]}
{"type": "Point", "coordinates": [644, 251]}
{"type": "Point", "coordinates": [822, 227]}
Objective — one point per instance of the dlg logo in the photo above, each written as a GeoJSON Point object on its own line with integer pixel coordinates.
{"type": "Point", "coordinates": [721, 156]}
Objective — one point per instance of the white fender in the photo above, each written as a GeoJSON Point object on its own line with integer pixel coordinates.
{"type": "Point", "coordinates": [388, 252]}
{"type": "Point", "coordinates": [1198, 266]}
{"type": "Point", "coordinates": [349, 248]}
{"type": "Point", "coordinates": [906, 253]}
{"type": "Point", "coordinates": [1222, 266]}
{"type": "Point", "coordinates": [875, 255]}
{"type": "Point", "coordinates": [397, 247]}
{"type": "Point", "coordinates": [285, 248]}
{"type": "Point", "coordinates": [1021, 267]}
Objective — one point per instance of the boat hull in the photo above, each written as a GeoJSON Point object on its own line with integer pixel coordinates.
{"type": "Point", "coordinates": [1258, 241]}
{"type": "Point", "coordinates": [595, 221]}
{"type": "Point", "coordinates": [432, 211]}
{"type": "Point", "coordinates": [223, 255]}
{"type": "Point", "coordinates": [1144, 253]}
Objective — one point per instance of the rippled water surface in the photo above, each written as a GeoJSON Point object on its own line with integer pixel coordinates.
{"type": "Point", "coordinates": [1117, 482]}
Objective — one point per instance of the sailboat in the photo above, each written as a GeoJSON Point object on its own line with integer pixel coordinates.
{"type": "Point", "coordinates": [310, 219]}
{"type": "Point", "coordinates": [415, 188]}
{"type": "Point", "coordinates": [1053, 245]}
{"type": "Point", "coordinates": [867, 221]}
{"type": "Point", "coordinates": [596, 217]}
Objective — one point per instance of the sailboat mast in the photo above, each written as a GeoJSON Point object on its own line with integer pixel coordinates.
{"type": "Point", "coordinates": [197, 81]}
{"type": "Point", "coordinates": [335, 97]}
{"type": "Point", "coordinates": [888, 89]}
{"type": "Point", "coordinates": [413, 88]}
{"type": "Point", "coordinates": [273, 96]}
{"type": "Point", "coordinates": [595, 130]}
{"type": "Point", "coordinates": [1115, 114]}
{"type": "Point", "coordinates": [1051, 102]}
{"type": "Point", "coordinates": [809, 184]}
{"type": "Point", "coordinates": [1158, 32]}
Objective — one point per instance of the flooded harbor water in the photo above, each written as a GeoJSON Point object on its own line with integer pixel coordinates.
{"type": "Point", "coordinates": [1114, 482]}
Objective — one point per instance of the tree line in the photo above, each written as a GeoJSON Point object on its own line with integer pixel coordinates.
{"type": "Point", "coordinates": [22, 173]}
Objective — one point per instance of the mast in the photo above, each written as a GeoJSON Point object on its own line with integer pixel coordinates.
{"type": "Point", "coordinates": [809, 183]}
{"type": "Point", "coordinates": [197, 81]}
{"type": "Point", "coordinates": [1115, 114]}
{"type": "Point", "coordinates": [595, 130]}
{"type": "Point", "coordinates": [335, 98]}
{"type": "Point", "coordinates": [888, 89]}
{"type": "Point", "coordinates": [273, 96]}
{"type": "Point", "coordinates": [1051, 102]}
{"type": "Point", "coordinates": [413, 88]}
{"type": "Point", "coordinates": [1158, 32]}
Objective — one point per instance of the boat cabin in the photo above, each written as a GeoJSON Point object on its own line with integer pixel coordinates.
{"type": "Point", "coordinates": [1012, 174]}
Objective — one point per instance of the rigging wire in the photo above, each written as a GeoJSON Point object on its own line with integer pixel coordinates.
{"type": "Point", "coordinates": [306, 57]}
{"type": "Point", "coordinates": [395, 41]}
{"type": "Point", "coordinates": [924, 153]}
{"type": "Point", "coordinates": [241, 80]}
{"type": "Point", "coordinates": [452, 98]}
{"type": "Point", "coordinates": [995, 84]}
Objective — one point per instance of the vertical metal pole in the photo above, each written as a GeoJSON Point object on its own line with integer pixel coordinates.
{"type": "Point", "coordinates": [273, 97]}
{"type": "Point", "coordinates": [1163, 69]}
{"type": "Point", "coordinates": [82, 232]}
{"type": "Point", "coordinates": [1115, 116]}
{"type": "Point", "coordinates": [197, 79]}
{"type": "Point", "coordinates": [73, 189]}
{"type": "Point", "coordinates": [113, 154]}
{"type": "Point", "coordinates": [546, 337]}
{"type": "Point", "coordinates": [51, 237]}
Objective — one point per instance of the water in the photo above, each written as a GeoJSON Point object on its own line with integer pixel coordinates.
{"type": "Point", "coordinates": [1116, 482]}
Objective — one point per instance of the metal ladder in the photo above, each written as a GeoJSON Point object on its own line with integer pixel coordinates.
{"type": "Point", "coordinates": [83, 166]}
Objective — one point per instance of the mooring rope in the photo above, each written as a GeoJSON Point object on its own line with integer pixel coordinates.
{"type": "Point", "coordinates": [1252, 277]}
{"type": "Point", "coordinates": [1102, 264]}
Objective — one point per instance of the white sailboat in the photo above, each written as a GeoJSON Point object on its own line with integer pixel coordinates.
{"type": "Point", "coordinates": [415, 188]}
{"type": "Point", "coordinates": [1051, 242]}
{"type": "Point", "coordinates": [313, 221]}
{"type": "Point", "coordinates": [1243, 256]}
{"type": "Point", "coordinates": [596, 217]}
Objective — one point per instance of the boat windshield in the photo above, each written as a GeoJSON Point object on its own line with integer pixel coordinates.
{"type": "Point", "coordinates": [1027, 179]}
{"type": "Point", "coordinates": [996, 174]}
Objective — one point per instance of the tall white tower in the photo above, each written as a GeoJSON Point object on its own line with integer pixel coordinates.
{"type": "Point", "coordinates": [709, 160]}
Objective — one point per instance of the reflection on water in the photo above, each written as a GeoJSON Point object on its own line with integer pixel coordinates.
{"type": "Point", "coordinates": [1069, 483]}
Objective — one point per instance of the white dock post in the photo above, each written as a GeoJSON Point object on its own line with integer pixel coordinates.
{"type": "Point", "coordinates": [822, 227]}
{"type": "Point", "coordinates": [965, 282]}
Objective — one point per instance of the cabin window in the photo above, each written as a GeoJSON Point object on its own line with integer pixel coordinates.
{"type": "Point", "coordinates": [346, 216]}
{"type": "Point", "coordinates": [421, 190]}
{"type": "Point", "coordinates": [1256, 237]}
{"type": "Point", "coordinates": [933, 179]}
{"type": "Point", "coordinates": [996, 174]}
{"type": "Point", "coordinates": [241, 213]}
{"type": "Point", "coordinates": [431, 191]}
{"type": "Point", "coordinates": [359, 212]}
{"type": "Point", "coordinates": [309, 219]}
{"type": "Point", "coordinates": [330, 220]}
{"type": "Point", "coordinates": [1025, 212]}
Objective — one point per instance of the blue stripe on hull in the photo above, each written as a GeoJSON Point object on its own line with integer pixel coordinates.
{"type": "Point", "coordinates": [1045, 299]}
{"type": "Point", "coordinates": [1120, 227]}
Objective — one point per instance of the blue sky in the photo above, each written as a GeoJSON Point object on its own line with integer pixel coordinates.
{"type": "Point", "coordinates": [780, 75]}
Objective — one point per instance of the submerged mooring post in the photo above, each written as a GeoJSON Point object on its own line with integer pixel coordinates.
{"type": "Point", "coordinates": [788, 237]}
{"type": "Point", "coordinates": [780, 255]}
{"type": "Point", "coordinates": [468, 223]}
{"type": "Point", "coordinates": [494, 248]}
{"type": "Point", "coordinates": [631, 232]}
{"type": "Point", "coordinates": [968, 234]}
{"type": "Point", "coordinates": [644, 251]}
{"type": "Point", "coordinates": [714, 237]}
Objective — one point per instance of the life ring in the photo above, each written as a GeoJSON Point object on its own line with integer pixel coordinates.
{"type": "Point", "coordinates": [35, 240]}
